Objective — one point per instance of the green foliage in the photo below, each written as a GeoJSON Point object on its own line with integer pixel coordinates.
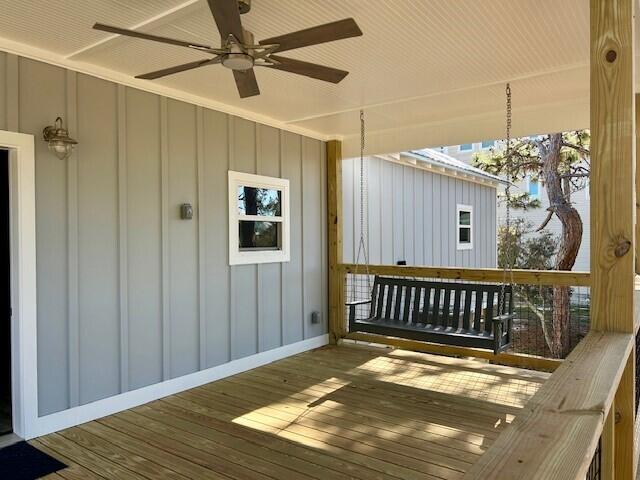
{"type": "Point", "coordinates": [526, 160]}
{"type": "Point", "coordinates": [519, 248]}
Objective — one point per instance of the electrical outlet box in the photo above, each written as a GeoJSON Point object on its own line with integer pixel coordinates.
{"type": "Point", "coordinates": [186, 211]}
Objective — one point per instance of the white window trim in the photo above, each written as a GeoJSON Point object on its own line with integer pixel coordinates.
{"type": "Point", "coordinates": [464, 208]}
{"type": "Point", "coordinates": [238, 257]}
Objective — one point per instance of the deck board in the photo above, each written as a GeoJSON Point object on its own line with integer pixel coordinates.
{"type": "Point", "coordinates": [336, 412]}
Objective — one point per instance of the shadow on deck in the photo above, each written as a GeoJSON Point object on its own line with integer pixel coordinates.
{"type": "Point", "coordinates": [333, 413]}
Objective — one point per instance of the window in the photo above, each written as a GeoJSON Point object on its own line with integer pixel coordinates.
{"type": "Point", "coordinates": [464, 219]}
{"type": "Point", "coordinates": [533, 188]}
{"type": "Point", "coordinates": [487, 144]}
{"type": "Point", "coordinates": [258, 219]}
{"type": "Point", "coordinates": [466, 147]}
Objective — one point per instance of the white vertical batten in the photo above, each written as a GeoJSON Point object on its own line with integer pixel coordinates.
{"type": "Point", "coordinates": [257, 136]}
{"type": "Point", "coordinates": [302, 217]}
{"type": "Point", "coordinates": [201, 219]}
{"type": "Point", "coordinates": [13, 85]}
{"type": "Point", "coordinates": [122, 238]}
{"type": "Point", "coordinates": [282, 296]}
{"type": "Point", "coordinates": [232, 307]}
{"type": "Point", "coordinates": [72, 243]}
{"type": "Point", "coordinates": [164, 180]}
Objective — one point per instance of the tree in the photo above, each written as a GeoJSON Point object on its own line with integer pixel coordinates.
{"type": "Point", "coordinates": [561, 161]}
{"type": "Point", "coordinates": [518, 249]}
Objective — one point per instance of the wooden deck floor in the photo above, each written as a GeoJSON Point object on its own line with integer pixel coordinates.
{"type": "Point", "coordinates": [333, 413]}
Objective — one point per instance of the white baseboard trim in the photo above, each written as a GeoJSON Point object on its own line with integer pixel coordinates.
{"type": "Point", "coordinates": [108, 406]}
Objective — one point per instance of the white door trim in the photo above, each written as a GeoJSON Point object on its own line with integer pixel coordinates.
{"type": "Point", "coordinates": [24, 359]}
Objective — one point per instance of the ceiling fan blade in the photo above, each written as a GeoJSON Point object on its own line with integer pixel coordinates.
{"type": "Point", "coordinates": [227, 16]}
{"type": "Point", "coordinates": [178, 68]}
{"type": "Point", "coordinates": [154, 38]}
{"type": "Point", "coordinates": [313, 70]}
{"type": "Point", "coordinates": [328, 32]}
{"type": "Point", "coordinates": [246, 83]}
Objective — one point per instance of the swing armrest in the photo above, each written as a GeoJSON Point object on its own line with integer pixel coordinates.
{"type": "Point", "coordinates": [503, 318]}
{"type": "Point", "coordinates": [352, 310]}
{"type": "Point", "coordinates": [503, 321]}
{"type": "Point", "coordinates": [501, 324]}
{"type": "Point", "coordinates": [356, 303]}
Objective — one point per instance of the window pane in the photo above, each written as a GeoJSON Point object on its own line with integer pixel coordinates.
{"type": "Point", "coordinates": [465, 218]}
{"type": "Point", "coordinates": [465, 147]}
{"type": "Point", "coordinates": [258, 235]}
{"type": "Point", "coordinates": [259, 201]}
{"type": "Point", "coordinates": [487, 144]}
{"type": "Point", "coordinates": [465, 235]}
{"type": "Point", "coordinates": [534, 188]}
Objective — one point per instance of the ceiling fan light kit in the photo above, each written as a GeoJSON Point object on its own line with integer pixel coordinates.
{"type": "Point", "coordinates": [241, 54]}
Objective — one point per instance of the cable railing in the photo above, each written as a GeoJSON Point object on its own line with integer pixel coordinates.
{"type": "Point", "coordinates": [563, 428]}
{"type": "Point", "coordinates": [551, 310]}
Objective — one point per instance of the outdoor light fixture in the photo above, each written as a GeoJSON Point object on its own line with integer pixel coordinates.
{"type": "Point", "coordinates": [60, 143]}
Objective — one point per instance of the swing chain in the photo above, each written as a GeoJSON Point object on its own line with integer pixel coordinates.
{"type": "Point", "coordinates": [362, 196]}
{"type": "Point", "coordinates": [362, 244]}
{"type": "Point", "coordinates": [508, 264]}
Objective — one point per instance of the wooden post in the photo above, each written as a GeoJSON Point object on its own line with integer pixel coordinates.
{"type": "Point", "coordinates": [613, 200]}
{"type": "Point", "coordinates": [637, 184]}
{"type": "Point", "coordinates": [336, 278]}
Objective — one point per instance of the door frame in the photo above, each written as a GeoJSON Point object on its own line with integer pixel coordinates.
{"type": "Point", "coordinates": [24, 357]}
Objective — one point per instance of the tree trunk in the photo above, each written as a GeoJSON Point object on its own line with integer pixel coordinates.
{"type": "Point", "coordinates": [570, 241]}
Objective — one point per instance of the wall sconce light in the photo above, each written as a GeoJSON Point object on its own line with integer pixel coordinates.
{"type": "Point", "coordinates": [60, 143]}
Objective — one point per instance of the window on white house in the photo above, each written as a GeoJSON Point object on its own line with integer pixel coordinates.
{"type": "Point", "coordinates": [533, 188]}
{"type": "Point", "coordinates": [487, 144]}
{"type": "Point", "coordinates": [464, 219]}
{"type": "Point", "coordinates": [258, 219]}
{"type": "Point", "coordinates": [466, 147]}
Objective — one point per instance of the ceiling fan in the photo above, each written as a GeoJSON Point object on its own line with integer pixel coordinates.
{"type": "Point", "coordinates": [240, 53]}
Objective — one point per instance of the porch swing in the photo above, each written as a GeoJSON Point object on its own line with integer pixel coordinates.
{"type": "Point", "coordinates": [478, 315]}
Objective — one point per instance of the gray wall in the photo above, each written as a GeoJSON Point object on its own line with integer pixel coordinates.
{"type": "Point", "coordinates": [129, 294]}
{"type": "Point", "coordinates": [411, 215]}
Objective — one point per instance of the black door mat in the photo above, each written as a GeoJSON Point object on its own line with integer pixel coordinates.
{"type": "Point", "coordinates": [21, 461]}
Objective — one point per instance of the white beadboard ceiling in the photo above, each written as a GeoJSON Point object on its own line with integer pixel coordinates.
{"type": "Point", "coordinates": [427, 72]}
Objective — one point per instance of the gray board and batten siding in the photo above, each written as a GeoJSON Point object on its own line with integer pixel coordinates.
{"type": "Point", "coordinates": [129, 295]}
{"type": "Point", "coordinates": [411, 215]}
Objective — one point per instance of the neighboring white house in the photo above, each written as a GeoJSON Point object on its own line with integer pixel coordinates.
{"type": "Point", "coordinates": [422, 208]}
{"type": "Point", "coordinates": [580, 200]}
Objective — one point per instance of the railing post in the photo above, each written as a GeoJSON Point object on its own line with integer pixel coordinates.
{"type": "Point", "coordinates": [334, 217]}
{"type": "Point", "coordinates": [637, 180]}
{"type": "Point", "coordinates": [613, 202]}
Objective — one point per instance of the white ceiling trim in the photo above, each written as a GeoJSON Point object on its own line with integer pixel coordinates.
{"type": "Point", "coordinates": [395, 101]}
{"type": "Point", "coordinates": [538, 119]}
{"type": "Point", "coordinates": [156, 20]}
{"type": "Point", "coordinates": [49, 57]}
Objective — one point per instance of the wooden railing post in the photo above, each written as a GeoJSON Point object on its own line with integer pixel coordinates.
{"type": "Point", "coordinates": [637, 178]}
{"type": "Point", "coordinates": [336, 276]}
{"type": "Point", "coordinates": [613, 201]}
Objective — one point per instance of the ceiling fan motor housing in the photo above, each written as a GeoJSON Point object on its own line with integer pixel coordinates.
{"type": "Point", "coordinates": [244, 6]}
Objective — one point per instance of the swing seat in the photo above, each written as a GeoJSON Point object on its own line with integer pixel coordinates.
{"type": "Point", "coordinates": [460, 314]}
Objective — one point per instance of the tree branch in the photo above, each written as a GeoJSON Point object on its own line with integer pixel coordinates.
{"type": "Point", "coordinates": [574, 175]}
{"type": "Point", "coordinates": [577, 148]}
{"type": "Point", "coordinates": [546, 220]}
